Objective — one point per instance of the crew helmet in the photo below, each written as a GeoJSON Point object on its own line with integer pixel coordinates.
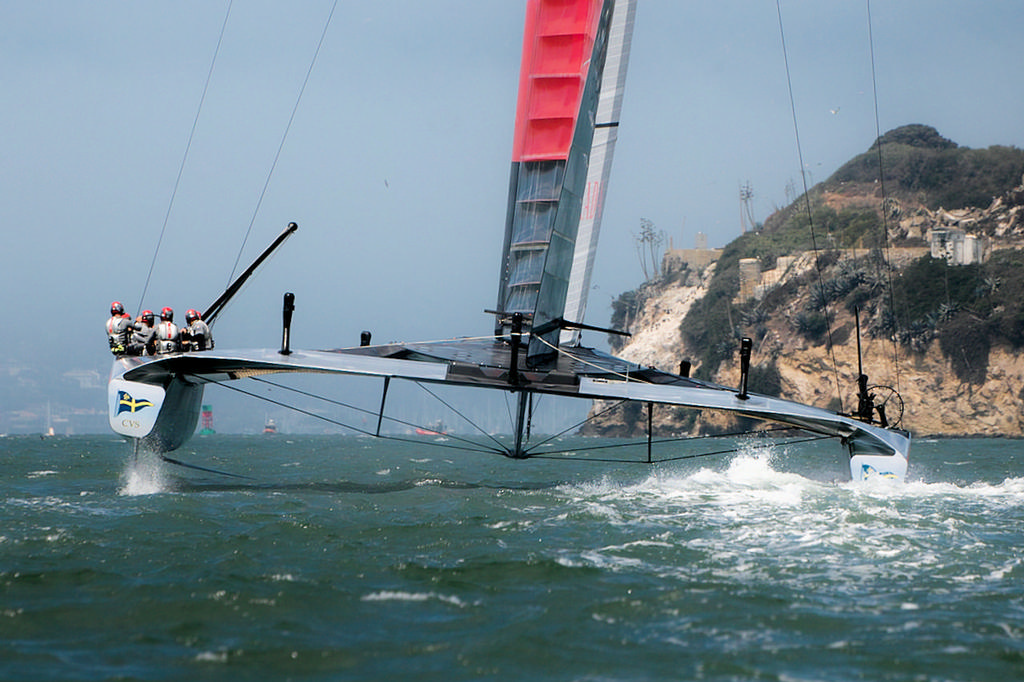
{"type": "Point", "coordinates": [167, 314]}
{"type": "Point", "coordinates": [192, 315]}
{"type": "Point", "coordinates": [116, 308]}
{"type": "Point", "coordinates": [147, 317]}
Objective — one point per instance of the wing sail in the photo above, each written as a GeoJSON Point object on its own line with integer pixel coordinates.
{"type": "Point", "coordinates": [564, 49]}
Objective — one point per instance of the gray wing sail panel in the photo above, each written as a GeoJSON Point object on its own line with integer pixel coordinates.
{"type": "Point", "coordinates": [602, 148]}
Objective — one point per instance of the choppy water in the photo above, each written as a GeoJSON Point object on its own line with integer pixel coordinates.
{"type": "Point", "coordinates": [348, 558]}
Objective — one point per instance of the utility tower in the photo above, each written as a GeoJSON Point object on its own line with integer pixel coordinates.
{"type": "Point", "coordinates": [746, 209]}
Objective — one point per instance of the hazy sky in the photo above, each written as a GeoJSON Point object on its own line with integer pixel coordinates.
{"type": "Point", "coordinates": [396, 167]}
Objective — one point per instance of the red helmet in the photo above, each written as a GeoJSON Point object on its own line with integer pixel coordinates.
{"type": "Point", "coordinates": [167, 314]}
{"type": "Point", "coordinates": [192, 315]}
{"type": "Point", "coordinates": [116, 308]}
{"type": "Point", "coordinates": [147, 317]}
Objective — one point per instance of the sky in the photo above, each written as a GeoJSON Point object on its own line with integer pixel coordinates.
{"type": "Point", "coordinates": [396, 162]}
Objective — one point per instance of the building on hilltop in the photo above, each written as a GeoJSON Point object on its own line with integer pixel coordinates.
{"type": "Point", "coordinates": [957, 247]}
{"type": "Point", "coordinates": [696, 258]}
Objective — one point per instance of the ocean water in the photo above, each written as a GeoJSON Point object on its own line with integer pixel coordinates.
{"type": "Point", "coordinates": [344, 558]}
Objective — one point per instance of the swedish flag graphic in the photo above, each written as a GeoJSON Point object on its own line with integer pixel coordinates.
{"type": "Point", "coordinates": [126, 403]}
{"type": "Point", "coordinates": [868, 471]}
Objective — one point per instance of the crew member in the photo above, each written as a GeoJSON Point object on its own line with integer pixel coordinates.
{"type": "Point", "coordinates": [143, 332]}
{"type": "Point", "coordinates": [196, 335]}
{"type": "Point", "coordinates": [167, 336]}
{"type": "Point", "coordinates": [118, 328]}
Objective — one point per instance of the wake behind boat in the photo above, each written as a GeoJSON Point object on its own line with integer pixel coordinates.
{"type": "Point", "coordinates": [572, 78]}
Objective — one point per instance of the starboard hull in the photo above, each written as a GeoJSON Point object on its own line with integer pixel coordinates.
{"type": "Point", "coordinates": [161, 416]}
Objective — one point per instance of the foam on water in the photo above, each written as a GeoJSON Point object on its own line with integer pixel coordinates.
{"type": "Point", "coordinates": [727, 568]}
{"type": "Point", "coordinates": [747, 520]}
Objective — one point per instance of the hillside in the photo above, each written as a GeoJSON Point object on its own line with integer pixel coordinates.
{"type": "Point", "coordinates": [940, 300]}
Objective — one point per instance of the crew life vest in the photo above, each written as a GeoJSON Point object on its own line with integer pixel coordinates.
{"type": "Point", "coordinates": [167, 338]}
{"type": "Point", "coordinates": [118, 328]}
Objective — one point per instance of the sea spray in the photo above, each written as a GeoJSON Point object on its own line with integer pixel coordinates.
{"type": "Point", "coordinates": [144, 474]}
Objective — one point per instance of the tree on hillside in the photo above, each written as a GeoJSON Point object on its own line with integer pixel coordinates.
{"type": "Point", "coordinates": [648, 248]}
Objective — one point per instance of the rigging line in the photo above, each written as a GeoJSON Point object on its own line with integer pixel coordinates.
{"type": "Point", "coordinates": [678, 458]}
{"type": "Point", "coordinates": [807, 203]}
{"type": "Point", "coordinates": [580, 360]}
{"type": "Point", "coordinates": [330, 401]}
{"type": "Point", "coordinates": [723, 452]}
{"type": "Point", "coordinates": [881, 183]}
{"type": "Point", "coordinates": [470, 421]}
{"type": "Point", "coordinates": [453, 339]}
{"type": "Point", "coordinates": [178, 462]}
{"type": "Point", "coordinates": [343, 425]}
{"type": "Point", "coordinates": [280, 147]}
{"type": "Point", "coordinates": [508, 408]}
{"type": "Point", "coordinates": [677, 439]}
{"type": "Point", "coordinates": [184, 158]}
{"type": "Point", "coordinates": [578, 424]}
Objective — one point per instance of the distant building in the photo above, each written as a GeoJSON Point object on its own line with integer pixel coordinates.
{"type": "Point", "coordinates": [755, 283]}
{"type": "Point", "coordinates": [697, 258]}
{"type": "Point", "coordinates": [750, 277]}
{"type": "Point", "coordinates": [957, 247]}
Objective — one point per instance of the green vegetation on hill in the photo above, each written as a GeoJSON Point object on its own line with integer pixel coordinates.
{"type": "Point", "coordinates": [967, 308]}
{"type": "Point", "coordinates": [922, 165]}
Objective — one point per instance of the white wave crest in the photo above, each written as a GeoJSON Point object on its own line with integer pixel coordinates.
{"type": "Point", "coordinates": [398, 595]}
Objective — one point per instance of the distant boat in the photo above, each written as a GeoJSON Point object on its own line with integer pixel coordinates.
{"type": "Point", "coordinates": [438, 429]}
{"type": "Point", "coordinates": [49, 422]}
{"type": "Point", "coordinates": [270, 427]}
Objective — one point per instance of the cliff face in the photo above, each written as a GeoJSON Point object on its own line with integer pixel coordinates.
{"type": "Point", "coordinates": [935, 401]}
{"type": "Point", "coordinates": [941, 317]}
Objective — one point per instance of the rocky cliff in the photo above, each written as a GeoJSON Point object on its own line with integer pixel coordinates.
{"type": "Point", "coordinates": [941, 317]}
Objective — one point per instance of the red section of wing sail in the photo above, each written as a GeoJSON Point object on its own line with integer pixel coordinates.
{"type": "Point", "coordinates": [557, 46]}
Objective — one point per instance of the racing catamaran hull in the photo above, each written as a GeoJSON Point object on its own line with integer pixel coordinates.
{"type": "Point", "coordinates": [158, 399]}
{"type": "Point", "coordinates": [161, 416]}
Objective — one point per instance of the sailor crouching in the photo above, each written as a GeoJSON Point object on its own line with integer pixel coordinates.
{"type": "Point", "coordinates": [143, 333]}
{"type": "Point", "coordinates": [196, 335]}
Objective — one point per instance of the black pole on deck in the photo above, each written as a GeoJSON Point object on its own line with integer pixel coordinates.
{"type": "Point", "coordinates": [286, 326]}
{"type": "Point", "coordinates": [745, 345]}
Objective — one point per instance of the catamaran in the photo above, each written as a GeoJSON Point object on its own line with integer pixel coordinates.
{"type": "Point", "coordinates": [572, 77]}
